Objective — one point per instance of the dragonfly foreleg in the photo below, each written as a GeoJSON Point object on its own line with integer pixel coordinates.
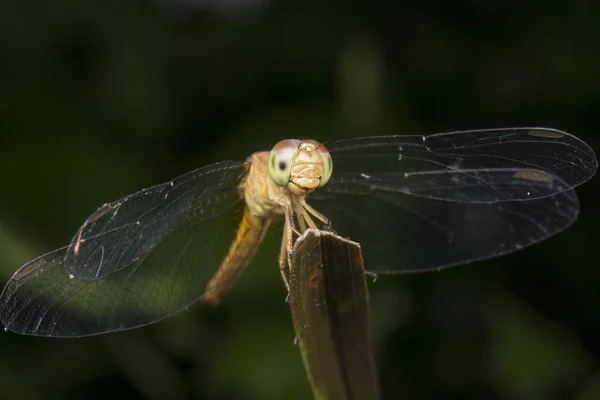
{"type": "Point", "coordinates": [289, 219]}
{"type": "Point", "coordinates": [303, 215]}
{"type": "Point", "coordinates": [301, 219]}
{"type": "Point", "coordinates": [315, 213]}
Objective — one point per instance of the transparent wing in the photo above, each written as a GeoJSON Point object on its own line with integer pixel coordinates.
{"type": "Point", "coordinates": [419, 203]}
{"type": "Point", "coordinates": [183, 242]}
{"type": "Point", "coordinates": [470, 166]}
{"type": "Point", "coordinates": [120, 232]}
{"type": "Point", "coordinates": [400, 233]}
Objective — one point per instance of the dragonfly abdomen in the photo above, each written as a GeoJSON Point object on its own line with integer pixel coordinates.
{"type": "Point", "coordinates": [250, 234]}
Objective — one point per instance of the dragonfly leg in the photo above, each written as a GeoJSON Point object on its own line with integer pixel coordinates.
{"type": "Point", "coordinates": [306, 217]}
{"type": "Point", "coordinates": [302, 219]}
{"type": "Point", "coordinates": [315, 213]}
{"type": "Point", "coordinates": [286, 247]}
{"type": "Point", "coordinates": [289, 219]}
{"type": "Point", "coordinates": [303, 216]}
{"type": "Point", "coordinates": [283, 261]}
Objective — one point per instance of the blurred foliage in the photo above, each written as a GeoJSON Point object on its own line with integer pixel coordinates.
{"type": "Point", "coordinates": [101, 98]}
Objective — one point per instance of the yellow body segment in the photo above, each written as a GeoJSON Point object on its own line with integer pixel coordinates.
{"type": "Point", "coordinates": [249, 235]}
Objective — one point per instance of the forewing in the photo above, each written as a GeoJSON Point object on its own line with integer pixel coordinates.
{"type": "Point", "coordinates": [119, 233]}
{"type": "Point", "coordinates": [469, 166]}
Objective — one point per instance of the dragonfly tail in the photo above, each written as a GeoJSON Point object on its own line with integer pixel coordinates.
{"type": "Point", "coordinates": [250, 234]}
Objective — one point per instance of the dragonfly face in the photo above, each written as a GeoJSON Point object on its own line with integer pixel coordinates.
{"type": "Point", "coordinates": [414, 203]}
{"type": "Point", "coordinates": [300, 166]}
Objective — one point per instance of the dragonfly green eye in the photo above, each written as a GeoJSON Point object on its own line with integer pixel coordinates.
{"type": "Point", "coordinates": [280, 161]}
{"type": "Point", "coordinates": [327, 161]}
{"type": "Point", "coordinates": [327, 164]}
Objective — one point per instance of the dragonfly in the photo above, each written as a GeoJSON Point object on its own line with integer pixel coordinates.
{"type": "Point", "coordinates": [415, 203]}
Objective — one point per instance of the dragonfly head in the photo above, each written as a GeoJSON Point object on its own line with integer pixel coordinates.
{"type": "Point", "coordinates": [300, 165]}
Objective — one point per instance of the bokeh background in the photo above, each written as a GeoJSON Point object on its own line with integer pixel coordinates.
{"type": "Point", "coordinates": [101, 98]}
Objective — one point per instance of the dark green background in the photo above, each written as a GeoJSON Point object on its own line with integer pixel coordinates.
{"type": "Point", "coordinates": [101, 98]}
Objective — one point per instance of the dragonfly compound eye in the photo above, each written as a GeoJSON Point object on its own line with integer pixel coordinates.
{"type": "Point", "coordinates": [327, 161]}
{"type": "Point", "coordinates": [327, 164]}
{"type": "Point", "coordinates": [280, 161]}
